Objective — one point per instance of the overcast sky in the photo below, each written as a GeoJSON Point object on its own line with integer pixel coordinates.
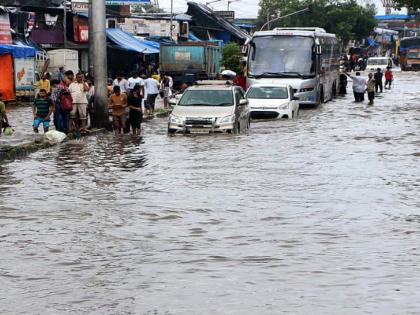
{"type": "Point", "coordinates": [243, 8]}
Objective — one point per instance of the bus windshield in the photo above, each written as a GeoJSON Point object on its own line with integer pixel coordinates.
{"type": "Point", "coordinates": [282, 56]}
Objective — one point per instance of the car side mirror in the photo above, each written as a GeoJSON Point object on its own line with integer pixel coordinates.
{"type": "Point", "coordinates": [295, 98]}
{"type": "Point", "coordinates": [243, 102]}
{"type": "Point", "coordinates": [173, 101]}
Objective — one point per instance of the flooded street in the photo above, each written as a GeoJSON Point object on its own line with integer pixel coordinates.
{"type": "Point", "coordinates": [315, 216]}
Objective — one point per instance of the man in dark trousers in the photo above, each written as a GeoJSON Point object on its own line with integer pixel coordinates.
{"type": "Point", "coordinates": [378, 81]}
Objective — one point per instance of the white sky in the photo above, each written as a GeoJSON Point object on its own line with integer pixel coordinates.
{"type": "Point", "coordinates": [243, 8]}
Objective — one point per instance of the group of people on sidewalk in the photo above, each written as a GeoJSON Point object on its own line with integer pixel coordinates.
{"type": "Point", "coordinates": [126, 97]}
{"type": "Point", "coordinates": [69, 101]}
{"type": "Point", "coordinates": [374, 84]}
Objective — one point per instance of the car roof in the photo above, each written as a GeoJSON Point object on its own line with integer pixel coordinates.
{"type": "Point", "coordinates": [270, 85]}
{"type": "Point", "coordinates": [212, 87]}
{"type": "Point", "coordinates": [379, 58]}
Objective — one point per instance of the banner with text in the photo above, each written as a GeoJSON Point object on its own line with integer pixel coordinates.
{"type": "Point", "coordinates": [5, 35]}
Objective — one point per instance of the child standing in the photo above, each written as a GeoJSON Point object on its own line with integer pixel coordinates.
{"type": "Point", "coordinates": [371, 88]}
{"type": "Point", "coordinates": [388, 77]}
{"type": "Point", "coordinates": [42, 110]}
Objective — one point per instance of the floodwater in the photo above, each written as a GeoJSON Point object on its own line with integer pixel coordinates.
{"type": "Point", "coordinates": [315, 216]}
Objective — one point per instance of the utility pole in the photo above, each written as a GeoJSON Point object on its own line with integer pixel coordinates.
{"type": "Point", "coordinates": [172, 18]}
{"type": "Point", "coordinates": [97, 31]}
{"type": "Point", "coordinates": [90, 34]}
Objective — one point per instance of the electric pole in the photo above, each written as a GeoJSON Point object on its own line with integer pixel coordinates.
{"type": "Point", "coordinates": [97, 31]}
{"type": "Point", "coordinates": [90, 38]}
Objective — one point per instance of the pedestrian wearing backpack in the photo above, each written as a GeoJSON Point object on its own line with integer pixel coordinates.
{"type": "Point", "coordinates": [61, 98]}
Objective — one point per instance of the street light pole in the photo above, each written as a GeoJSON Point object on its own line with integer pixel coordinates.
{"type": "Point", "coordinates": [229, 2]}
{"type": "Point", "coordinates": [97, 30]}
{"type": "Point", "coordinates": [172, 18]}
{"type": "Point", "coordinates": [281, 17]}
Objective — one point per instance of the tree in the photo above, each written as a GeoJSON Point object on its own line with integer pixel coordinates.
{"type": "Point", "coordinates": [411, 5]}
{"type": "Point", "coordinates": [146, 8]}
{"type": "Point", "coordinates": [346, 18]}
{"type": "Point", "coordinates": [231, 57]}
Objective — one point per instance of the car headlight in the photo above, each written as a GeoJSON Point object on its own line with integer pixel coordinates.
{"type": "Point", "coordinates": [226, 119]}
{"type": "Point", "coordinates": [307, 89]}
{"type": "Point", "coordinates": [175, 119]}
{"type": "Point", "coordinates": [284, 106]}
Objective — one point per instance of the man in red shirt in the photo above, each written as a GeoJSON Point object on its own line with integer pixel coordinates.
{"type": "Point", "coordinates": [388, 77]}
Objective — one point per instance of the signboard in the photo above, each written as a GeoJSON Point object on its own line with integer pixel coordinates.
{"type": "Point", "coordinates": [5, 35]}
{"type": "Point", "coordinates": [182, 56]}
{"type": "Point", "coordinates": [227, 15]}
{"type": "Point", "coordinates": [80, 6]}
{"type": "Point", "coordinates": [83, 5]}
{"type": "Point", "coordinates": [83, 33]}
{"type": "Point", "coordinates": [24, 73]}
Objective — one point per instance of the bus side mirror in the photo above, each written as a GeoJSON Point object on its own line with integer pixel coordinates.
{"type": "Point", "coordinates": [245, 49]}
{"type": "Point", "coordinates": [318, 50]}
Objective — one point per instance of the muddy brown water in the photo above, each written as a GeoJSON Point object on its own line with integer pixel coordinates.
{"type": "Point", "coordinates": [315, 216]}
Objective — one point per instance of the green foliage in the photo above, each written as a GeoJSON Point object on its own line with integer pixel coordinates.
{"type": "Point", "coordinates": [231, 57]}
{"type": "Point", "coordinates": [346, 18]}
{"type": "Point", "coordinates": [412, 5]}
{"type": "Point", "coordinates": [146, 8]}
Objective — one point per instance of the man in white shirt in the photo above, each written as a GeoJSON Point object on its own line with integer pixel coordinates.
{"type": "Point", "coordinates": [152, 89]}
{"type": "Point", "coordinates": [359, 86]}
{"type": "Point", "coordinates": [121, 82]}
{"type": "Point", "coordinates": [78, 90]}
{"type": "Point", "coordinates": [136, 80]}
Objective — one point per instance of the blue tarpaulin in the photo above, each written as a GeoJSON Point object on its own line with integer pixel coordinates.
{"type": "Point", "coordinates": [372, 42]}
{"type": "Point", "coordinates": [393, 17]}
{"type": "Point", "coordinates": [129, 42]}
{"type": "Point", "coordinates": [193, 38]}
{"type": "Point", "coordinates": [18, 51]}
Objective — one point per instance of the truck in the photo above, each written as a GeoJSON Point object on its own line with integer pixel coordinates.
{"type": "Point", "coordinates": [188, 62]}
{"type": "Point", "coordinates": [410, 53]}
{"type": "Point", "coordinates": [63, 57]}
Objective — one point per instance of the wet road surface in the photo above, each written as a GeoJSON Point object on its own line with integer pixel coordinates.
{"type": "Point", "coordinates": [315, 216]}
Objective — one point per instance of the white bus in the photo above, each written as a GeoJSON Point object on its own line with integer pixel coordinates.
{"type": "Point", "coordinates": [306, 58]}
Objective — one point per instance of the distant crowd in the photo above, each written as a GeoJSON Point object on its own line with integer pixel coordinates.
{"type": "Point", "coordinates": [373, 84]}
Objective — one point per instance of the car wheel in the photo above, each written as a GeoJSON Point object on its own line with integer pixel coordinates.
{"type": "Point", "coordinates": [171, 131]}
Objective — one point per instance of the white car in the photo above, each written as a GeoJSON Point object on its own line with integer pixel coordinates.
{"type": "Point", "coordinates": [374, 63]}
{"type": "Point", "coordinates": [271, 101]}
{"type": "Point", "coordinates": [210, 108]}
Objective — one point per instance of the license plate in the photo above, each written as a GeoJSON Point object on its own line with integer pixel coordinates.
{"type": "Point", "coordinates": [197, 130]}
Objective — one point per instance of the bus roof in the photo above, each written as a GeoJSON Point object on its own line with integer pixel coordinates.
{"type": "Point", "coordinates": [298, 31]}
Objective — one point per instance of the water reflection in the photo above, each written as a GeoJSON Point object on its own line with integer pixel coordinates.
{"type": "Point", "coordinates": [303, 217]}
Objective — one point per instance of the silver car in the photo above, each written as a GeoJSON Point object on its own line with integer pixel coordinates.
{"type": "Point", "coordinates": [209, 109]}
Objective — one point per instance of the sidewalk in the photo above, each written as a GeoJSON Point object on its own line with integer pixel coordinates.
{"type": "Point", "coordinates": [21, 118]}
{"type": "Point", "coordinates": [23, 140]}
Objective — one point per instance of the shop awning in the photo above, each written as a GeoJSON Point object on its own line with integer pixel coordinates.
{"type": "Point", "coordinates": [17, 51]}
{"type": "Point", "coordinates": [128, 42]}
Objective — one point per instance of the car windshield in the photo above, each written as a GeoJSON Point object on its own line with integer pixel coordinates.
{"type": "Point", "coordinates": [378, 62]}
{"type": "Point", "coordinates": [288, 56]}
{"type": "Point", "coordinates": [207, 98]}
{"type": "Point", "coordinates": [269, 93]}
